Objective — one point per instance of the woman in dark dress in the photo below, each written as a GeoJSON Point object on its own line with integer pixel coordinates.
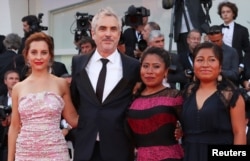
{"type": "Point", "coordinates": [213, 109]}
{"type": "Point", "coordinates": [153, 115]}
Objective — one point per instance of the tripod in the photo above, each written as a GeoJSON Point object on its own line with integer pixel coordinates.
{"type": "Point", "coordinates": [171, 34]}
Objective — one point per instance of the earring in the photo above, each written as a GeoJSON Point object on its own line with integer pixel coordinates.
{"type": "Point", "coordinates": [27, 64]}
{"type": "Point", "coordinates": [50, 70]}
{"type": "Point", "coordinates": [194, 78]}
{"type": "Point", "coordinates": [50, 63]}
{"type": "Point", "coordinates": [219, 78]}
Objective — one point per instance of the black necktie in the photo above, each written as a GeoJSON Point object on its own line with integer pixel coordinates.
{"type": "Point", "coordinates": [101, 79]}
{"type": "Point", "coordinates": [191, 56]}
{"type": "Point", "coordinates": [224, 26]}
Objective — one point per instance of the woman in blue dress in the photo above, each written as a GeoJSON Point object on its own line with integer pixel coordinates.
{"type": "Point", "coordinates": [213, 109]}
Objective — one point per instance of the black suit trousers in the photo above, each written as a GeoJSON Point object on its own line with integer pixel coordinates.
{"type": "Point", "coordinates": [182, 46]}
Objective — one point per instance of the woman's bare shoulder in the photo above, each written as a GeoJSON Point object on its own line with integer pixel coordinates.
{"type": "Point", "coordinates": [19, 85]}
{"type": "Point", "coordinates": [61, 84]}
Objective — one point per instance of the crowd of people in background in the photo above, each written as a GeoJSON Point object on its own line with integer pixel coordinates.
{"type": "Point", "coordinates": [126, 96]}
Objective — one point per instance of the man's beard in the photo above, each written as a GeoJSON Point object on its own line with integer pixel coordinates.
{"type": "Point", "coordinates": [27, 34]}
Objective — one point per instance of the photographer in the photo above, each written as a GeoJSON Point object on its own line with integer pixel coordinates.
{"type": "Point", "coordinates": [188, 14]}
{"type": "Point", "coordinates": [136, 18]}
{"type": "Point", "coordinates": [86, 45]}
{"type": "Point", "coordinates": [31, 24]}
{"type": "Point", "coordinates": [82, 35]}
{"type": "Point", "coordinates": [11, 77]}
{"type": "Point", "coordinates": [28, 29]}
{"type": "Point", "coordinates": [193, 39]}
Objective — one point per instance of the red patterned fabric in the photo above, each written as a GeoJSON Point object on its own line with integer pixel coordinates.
{"type": "Point", "coordinates": [153, 123]}
{"type": "Point", "coordinates": [152, 120]}
{"type": "Point", "coordinates": [158, 153]}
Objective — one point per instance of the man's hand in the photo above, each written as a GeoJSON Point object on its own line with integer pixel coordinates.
{"type": "Point", "coordinates": [137, 53]}
{"type": "Point", "coordinates": [246, 85]}
{"type": "Point", "coordinates": [65, 132]}
{"type": "Point", "coordinates": [178, 133]}
{"type": "Point", "coordinates": [136, 87]}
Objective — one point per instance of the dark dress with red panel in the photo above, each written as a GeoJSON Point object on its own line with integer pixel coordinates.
{"type": "Point", "coordinates": [152, 120]}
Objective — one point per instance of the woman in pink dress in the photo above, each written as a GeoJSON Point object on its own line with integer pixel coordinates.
{"type": "Point", "coordinates": [37, 105]}
{"type": "Point", "coordinates": [153, 115]}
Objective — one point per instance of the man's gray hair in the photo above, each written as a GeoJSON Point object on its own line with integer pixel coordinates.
{"type": "Point", "coordinates": [12, 41]}
{"type": "Point", "coordinates": [105, 12]}
{"type": "Point", "coordinates": [155, 33]}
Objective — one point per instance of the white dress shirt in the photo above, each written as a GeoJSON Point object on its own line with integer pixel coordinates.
{"type": "Point", "coordinates": [228, 34]}
{"type": "Point", "coordinates": [113, 75]}
{"type": "Point", "coordinates": [9, 103]}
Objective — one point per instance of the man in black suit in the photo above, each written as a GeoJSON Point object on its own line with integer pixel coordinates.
{"type": "Point", "coordinates": [30, 26]}
{"type": "Point", "coordinates": [101, 133]}
{"type": "Point", "coordinates": [133, 35]}
{"type": "Point", "coordinates": [11, 77]}
{"type": "Point", "coordinates": [235, 35]}
{"type": "Point", "coordinates": [11, 43]}
{"type": "Point", "coordinates": [230, 57]}
{"type": "Point", "coordinates": [194, 17]}
{"type": "Point", "coordinates": [86, 45]}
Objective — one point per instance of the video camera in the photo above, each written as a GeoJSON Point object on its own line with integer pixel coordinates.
{"type": "Point", "coordinates": [134, 15]}
{"type": "Point", "coordinates": [4, 112]}
{"type": "Point", "coordinates": [83, 21]}
{"type": "Point", "coordinates": [40, 16]}
{"type": "Point", "coordinates": [142, 45]}
{"type": "Point", "coordinates": [83, 25]}
{"type": "Point", "coordinates": [35, 26]}
{"type": "Point", "coordinates": [167, 4]}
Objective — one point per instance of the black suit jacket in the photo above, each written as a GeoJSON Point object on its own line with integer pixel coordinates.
{"type": "Point", "coordinates": [6, 63]}
{"type": "Point", "coordinates": [58, 69]}
{"type": "Point", "coordinates": [178, 75]}
{"type": "Point", "coordinates": [130, 41]}
{"type": "Point", "coordinates": [4, 100]}
{"type": "Point", "coordinates": [241, 41]}
{"type": "Point", "coordinates": [108, 117]}
{"type": "Point", "coordinates": [185, 62]}
{"type": "Point", "coordinates": [3, 139]}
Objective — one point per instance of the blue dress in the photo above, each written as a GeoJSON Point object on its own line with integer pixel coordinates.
{"type": "Point", "coordinates": [202, 127]}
